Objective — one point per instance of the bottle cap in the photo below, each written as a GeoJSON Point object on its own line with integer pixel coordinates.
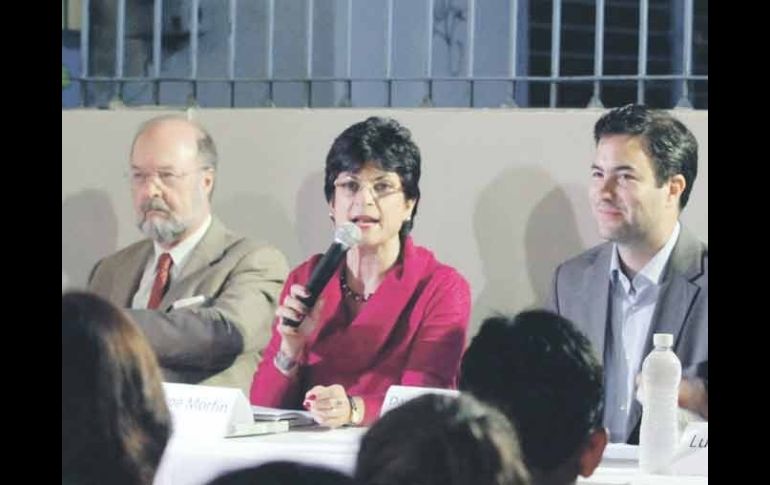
{"type": "Point", "coordinates": [663, 340]}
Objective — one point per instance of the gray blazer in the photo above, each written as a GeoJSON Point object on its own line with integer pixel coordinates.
{"type": "Point", "coordinates": [220, 341]}
{"type": "Point", "coordinates": [580, 293]}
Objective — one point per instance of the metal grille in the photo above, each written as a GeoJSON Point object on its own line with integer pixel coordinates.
{"type": "Point", "coordinates": [480, 53]}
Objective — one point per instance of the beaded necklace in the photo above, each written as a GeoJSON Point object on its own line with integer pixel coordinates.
{"type": "Point", "coordinates": [349, 292]}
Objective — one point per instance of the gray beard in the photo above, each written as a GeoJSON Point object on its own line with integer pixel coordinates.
{"type": "Point", "coordinates": [163, 232]}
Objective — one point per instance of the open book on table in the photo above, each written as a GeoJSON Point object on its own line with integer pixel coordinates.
{"type": "Point", "coordinates": [294, 417]}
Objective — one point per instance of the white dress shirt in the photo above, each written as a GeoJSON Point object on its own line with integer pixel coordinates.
{"type": "Point", "coordinates": [632, 305]}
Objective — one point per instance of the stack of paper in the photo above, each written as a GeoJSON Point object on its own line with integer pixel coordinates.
{"type": "Point", "coordinates": [293, 417]}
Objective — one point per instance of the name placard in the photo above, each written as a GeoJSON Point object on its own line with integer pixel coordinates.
{"type": "Point", "coordinates": [206, 410]}
{"type": "Point", "coordinates": [398, 395]}
{"type": "Point", "coordinates": [692, 454]}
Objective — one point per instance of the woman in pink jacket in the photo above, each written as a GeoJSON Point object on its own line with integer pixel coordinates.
{"type": "Point", "coordinates": [391, 314]}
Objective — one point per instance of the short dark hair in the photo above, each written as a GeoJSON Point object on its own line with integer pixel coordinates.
{"type": "Point", "coordinates": [115, 422]}
{"type": "Point", "coordinates": [283, 473]}
{"type": "Point", "coordinates": [386, 143]}
{"type": "Point", "coordinates": [541, 371]}
{"type": "Point", "coordinates": [437, 439]}
{"type": "Point", "coordinates": [672, 147]}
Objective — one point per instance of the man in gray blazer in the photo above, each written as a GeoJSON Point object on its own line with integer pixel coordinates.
{"type": "Point", "coordinates": [204, 296]}
{"type": "Point", "coordinates": [652, 274]}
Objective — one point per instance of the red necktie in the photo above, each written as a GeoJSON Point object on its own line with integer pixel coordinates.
{"type": "Point", "coordinates": [161, 281]}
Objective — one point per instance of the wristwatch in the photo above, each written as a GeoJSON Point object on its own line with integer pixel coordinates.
{"type": "Point", "coordinates": [356, 413]}
{"type": "Point", "coordinates": [283, 362]}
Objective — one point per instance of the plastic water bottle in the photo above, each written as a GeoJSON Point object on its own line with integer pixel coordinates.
{"type": "Point", "coordinates": [659, 433]}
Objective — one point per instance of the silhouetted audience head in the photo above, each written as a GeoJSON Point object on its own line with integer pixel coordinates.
{"type": "Point", "coordinates": [542, 372]}
{"type": "Point", "coordinates": [115, 423]}
{"type": "Point", "coordinates": [283, 473]}
{"type": "Point", "coordinates": [442, 440]}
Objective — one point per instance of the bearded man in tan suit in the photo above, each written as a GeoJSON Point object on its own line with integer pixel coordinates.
{"type": "Point", "coordinates": [204, 296]}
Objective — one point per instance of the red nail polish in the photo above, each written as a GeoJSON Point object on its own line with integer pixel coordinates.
{"type": "Point", "coordinates": [311, 397]}
{"type": "Point", "coordinates": [306, 404]}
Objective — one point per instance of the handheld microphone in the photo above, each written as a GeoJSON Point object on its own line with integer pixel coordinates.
{"type": "Point", "coordinates": [345, 237]}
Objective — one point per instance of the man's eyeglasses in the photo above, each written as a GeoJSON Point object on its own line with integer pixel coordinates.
{"type": "Point", "coordinates": [349, 187]}
{"type": "Point", "coordinates": [168, 178]}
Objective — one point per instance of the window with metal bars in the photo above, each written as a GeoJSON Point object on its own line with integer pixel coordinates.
{"type": "Point", "coordinates": [480, 53]}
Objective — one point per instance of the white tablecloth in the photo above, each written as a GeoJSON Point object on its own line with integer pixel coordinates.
{"type": "Point", "coordinates": [620, 466]}
{"type": "Point", "coordinates": [195, 461]}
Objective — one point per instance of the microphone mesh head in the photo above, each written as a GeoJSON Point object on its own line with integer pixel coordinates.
{"type": "Point", "coordinates": [348, 235]}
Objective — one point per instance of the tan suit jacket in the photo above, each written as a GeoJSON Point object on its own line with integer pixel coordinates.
{"type": "Point", "coordinates": [217, 342]}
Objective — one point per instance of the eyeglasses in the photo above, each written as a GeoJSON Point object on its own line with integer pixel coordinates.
{"type": "Point", "coordinates": [168, 178]}
{"type": "Point", "coordinates": [349, 187]}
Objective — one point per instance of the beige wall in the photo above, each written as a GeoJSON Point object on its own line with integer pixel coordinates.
{"type": "Point", "coordinates": [73, 14]}
{"type": "Point", "coordinates": [504, 191]}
